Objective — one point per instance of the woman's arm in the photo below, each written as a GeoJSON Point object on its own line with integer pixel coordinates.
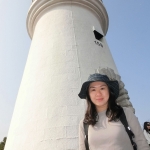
{"type": "Point", "coordinates": [136, 129]}
{"type": "Point", "coordinates": [81, 136]}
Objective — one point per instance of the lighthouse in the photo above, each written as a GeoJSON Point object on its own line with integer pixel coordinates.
{"type": "Point", "coordinates": [68, 44]}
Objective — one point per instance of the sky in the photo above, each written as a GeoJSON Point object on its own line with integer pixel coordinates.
{"type": "Point", "coordinates": [127, 37]}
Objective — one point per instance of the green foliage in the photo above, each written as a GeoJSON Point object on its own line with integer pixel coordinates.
{"type": "Point", "coordinates": [2, 144]}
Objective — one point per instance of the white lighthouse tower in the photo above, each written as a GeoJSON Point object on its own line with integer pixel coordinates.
{"type": "Point", "coordinates": [68, 44]}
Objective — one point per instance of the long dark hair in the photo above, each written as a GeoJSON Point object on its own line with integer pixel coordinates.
{"type": "Point", "coordinates": [113, 111]}
{"type": "Point", "coordinates": [145, 126]}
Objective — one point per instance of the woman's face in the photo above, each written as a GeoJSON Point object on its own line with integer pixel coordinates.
{"type": "Point", "coordinates": [99, 94]}
{"type": "Point", "coordinates": [148, 126]}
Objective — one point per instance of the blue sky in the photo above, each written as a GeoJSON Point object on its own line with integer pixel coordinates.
{"type": "Point", "coordinates": [127, 37]}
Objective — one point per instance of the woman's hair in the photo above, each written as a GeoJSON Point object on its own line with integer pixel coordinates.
{"type": "Point", "coordinates": [113, 111]}
{"type": "Point", "coordinates": [145, 126]}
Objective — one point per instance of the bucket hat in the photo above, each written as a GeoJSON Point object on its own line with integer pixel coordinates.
{"type": "Point", "coordinates": [112, 84]}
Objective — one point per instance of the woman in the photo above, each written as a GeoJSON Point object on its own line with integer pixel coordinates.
{"type": "Point", "coordinates": [105, 131]}
{"type": "Point", "coordinates": [147, 131]}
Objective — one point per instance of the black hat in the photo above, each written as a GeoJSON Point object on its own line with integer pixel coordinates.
{"type": "Point", "coordinates": [112, 84]}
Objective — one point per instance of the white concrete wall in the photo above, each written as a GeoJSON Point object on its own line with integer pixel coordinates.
{"type": "Point", "coordinates": [62, 55]}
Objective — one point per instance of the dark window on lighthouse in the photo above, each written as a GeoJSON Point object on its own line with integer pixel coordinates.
{"type": "Point", "coordinates": [98, 36]}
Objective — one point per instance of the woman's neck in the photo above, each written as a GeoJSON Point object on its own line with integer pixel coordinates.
{"type": "Point", "coordinates": [100, 109]}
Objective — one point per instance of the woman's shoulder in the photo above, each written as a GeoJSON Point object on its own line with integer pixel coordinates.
{"type": "Point", "coordinates": [81, 123]}
{"type": "Point", "coordinates": [144, 131]}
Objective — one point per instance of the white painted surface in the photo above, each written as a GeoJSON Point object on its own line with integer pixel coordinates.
{"type": "Point", "coordinates": [62, 55]}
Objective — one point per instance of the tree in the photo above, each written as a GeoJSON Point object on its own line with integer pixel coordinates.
{"type": "Point", "coordinates": [2, 144]}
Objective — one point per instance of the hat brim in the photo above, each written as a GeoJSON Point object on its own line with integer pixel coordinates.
{"type": "Point", "coordinates": [113, 86]}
